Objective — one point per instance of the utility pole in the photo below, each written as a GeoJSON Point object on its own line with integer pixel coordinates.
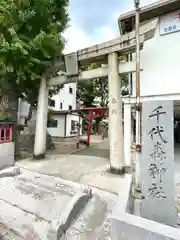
{"type": "Point", "coordinates": [138, 104]}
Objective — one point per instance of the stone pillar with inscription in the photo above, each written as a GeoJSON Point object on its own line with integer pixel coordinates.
{"type": "Point", "coordinates": [115, 116]}
{"type": "Point", "coordinates": [157, 162]}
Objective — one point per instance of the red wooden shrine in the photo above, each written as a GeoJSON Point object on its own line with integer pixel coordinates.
{"type": "Point", "coordinates": [6, 133]}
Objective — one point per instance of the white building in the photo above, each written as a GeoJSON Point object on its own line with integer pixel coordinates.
{"type": "Point", "coordinates": [160, 75]}
{"type": "Point", "coordinates": [63, 123]}
{"type": "Point", "coordinates": [66, 99]}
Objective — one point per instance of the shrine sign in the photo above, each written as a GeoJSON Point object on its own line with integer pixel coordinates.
{"type": "Point", "coordinates": [169, 23]}
{"type": "Point", "coordinates": [157, 162]}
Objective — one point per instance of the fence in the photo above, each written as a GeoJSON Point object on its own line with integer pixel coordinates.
{"type": "Point", "coordinates": [5, 133]}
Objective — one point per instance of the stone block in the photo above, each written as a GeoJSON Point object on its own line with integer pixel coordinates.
{"type": "Point", "coordinates": [38, 206]}
{"type": "Point", "coordinates": [6, 155]}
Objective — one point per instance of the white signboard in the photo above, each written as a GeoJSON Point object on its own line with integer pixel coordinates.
{"type": "Point", "coordinates": [170, 23]}
{"type": "Point", "coordinates": [71, 63]}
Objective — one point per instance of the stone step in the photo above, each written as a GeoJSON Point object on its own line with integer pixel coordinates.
{"type": "Point", "coordinates": [46, 205]}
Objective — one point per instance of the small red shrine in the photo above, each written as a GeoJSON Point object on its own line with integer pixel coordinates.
{"type": "Point", "coordinates": [92, 114]}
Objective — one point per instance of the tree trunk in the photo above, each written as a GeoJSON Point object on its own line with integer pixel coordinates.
{"type": "Point", "coordinates": [28, 135]}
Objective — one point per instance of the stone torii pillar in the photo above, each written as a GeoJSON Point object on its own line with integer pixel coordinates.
{"type": "Point", "coordinates": [116, 141]}
{"type": "Point", "coordinates": [41, 121]}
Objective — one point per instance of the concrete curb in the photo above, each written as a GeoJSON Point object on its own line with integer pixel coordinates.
{"type": "Point", "coordinates": [126, 225]}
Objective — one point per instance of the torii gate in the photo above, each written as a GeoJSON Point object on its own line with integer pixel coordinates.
{"type": "Point", "coordinates": [91, 114]}
{"type": "Point", "coordinates": [108, 53]}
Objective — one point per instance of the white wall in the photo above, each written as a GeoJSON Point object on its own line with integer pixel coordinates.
{"type": "Point", "coordinates": [68, 125]}
{"type": "Point", "coordinates": [23, 111]}
{"type": "Point", "coordinates": [65, 97]}
{"type": "Point", "coordinates": [59, 131]}
{"type": "Point", "coordinates": [160, 61]}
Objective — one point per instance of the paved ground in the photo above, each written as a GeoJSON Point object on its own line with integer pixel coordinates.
{"type": "Point", "coordinates": [65, 146]}
{"type": "Point", "coordinates": [62, 146]}
{"type": "Point", "coordinates": [100, 150]}
{"type": "Point", "coordinates": [89, 166]}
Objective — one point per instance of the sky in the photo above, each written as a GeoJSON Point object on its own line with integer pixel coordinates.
{"type": "Point", "coordinates": [95, 21]}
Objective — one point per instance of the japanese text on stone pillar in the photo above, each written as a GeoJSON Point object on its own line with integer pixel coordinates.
{"type": "Point", "coordinates": [157, 156]}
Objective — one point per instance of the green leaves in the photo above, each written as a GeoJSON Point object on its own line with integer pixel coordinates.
{"type": "Point", "coordinates": [86, 94]}
{"type": "Point", "coordinates": [95, 93]}
{"type": "Point", "coordinates": [30, 40]}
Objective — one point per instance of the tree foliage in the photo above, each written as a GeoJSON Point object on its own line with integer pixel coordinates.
{"type": "Point", "coordinates": [86, 94]}
{"type": "Point", "coordinates": [31, 43]}
{"type": "Point", "coordinates": [94, 92]}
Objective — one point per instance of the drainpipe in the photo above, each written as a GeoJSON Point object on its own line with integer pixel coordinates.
{"type": "Point", "coordinates": [65, 125]}
{"type": "Point", "coordinates": [138, 104]}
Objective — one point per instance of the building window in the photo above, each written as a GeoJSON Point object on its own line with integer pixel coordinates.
{"type": "Point", "coordinates": [51, 103]}
{"type": "Point", "coordinates": [70, 107]}
{"type": "Point", "coordinates": [73, 125]}
{"type": "Point", "coordinates": [52, 123]}
{"type": "Point", "coordinates": [61, 105]}
{"type": "Point", "coordinates": [70, 90]}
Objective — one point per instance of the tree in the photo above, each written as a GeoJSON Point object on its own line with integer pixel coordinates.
{"type": "Point", "coordinates": [94, 93]}
{"type": "Point", "coordinates": [86, 94]}
{"type": "Point", "coordinates": [31, 43]}
{"type": "Point", "coordinates": [101, 92]}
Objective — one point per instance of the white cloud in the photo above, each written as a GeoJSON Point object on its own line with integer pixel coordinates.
{"type": "Point", "coordinates": [77, 39]}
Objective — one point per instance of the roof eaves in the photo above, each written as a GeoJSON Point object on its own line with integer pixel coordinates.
{"type": "Point", "coordinates": [150, 11]}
